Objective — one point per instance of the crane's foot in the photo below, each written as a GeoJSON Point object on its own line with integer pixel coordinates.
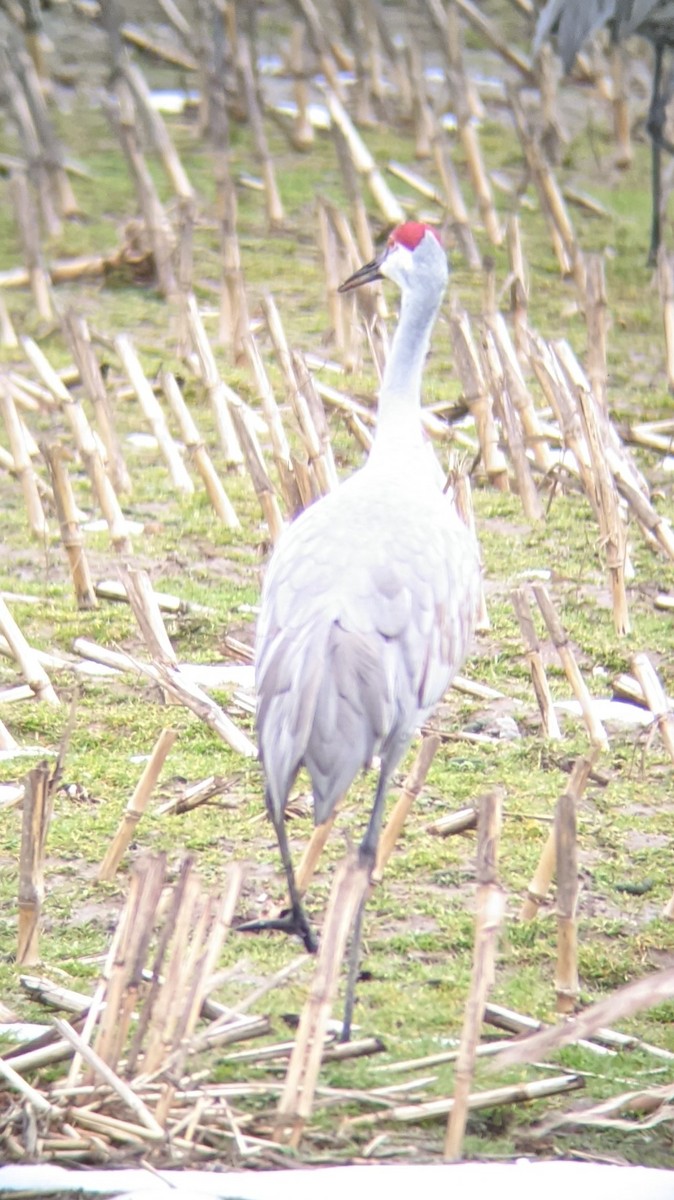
{"type": "Point", "coordinates": [290, 921]}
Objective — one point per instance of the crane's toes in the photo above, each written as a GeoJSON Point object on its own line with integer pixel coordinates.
{"type": "Point", "coordinates": [288, 922]}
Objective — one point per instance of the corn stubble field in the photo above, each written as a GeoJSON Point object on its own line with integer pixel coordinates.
{"type": "Point", "coordinates": [568, 453]}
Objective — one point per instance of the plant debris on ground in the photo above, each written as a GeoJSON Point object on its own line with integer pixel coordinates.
{"type": "Point", "coordinates": [179, 377]}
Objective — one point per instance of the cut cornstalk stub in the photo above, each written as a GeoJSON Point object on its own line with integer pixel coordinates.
{"type": "Point", "coordinates": [154, 415]}
{"type": "Point", "coordinates": [137, 805]}
{"type": "Point", "coordinates": [277, 434]}
{"type": "Point", "coordinates": [71, 534]}
{"type": "Point", "coordinates": [8, 337]}
{"type": "Point", "coordinates": [566, 861]}
{"type": "Point", "coordinates": [363, 160]}
{"type": "Point", "coordinates": [179, 686]}
{"type": "Point", "coordinates": [158, 230]}
{"type": "Point", "coordinates": [611, 523]}
{"type": "Point", "coordinates": [26, 218]}
{"type": "Point", "coordinates": [620, 105]}
{"type": "Point", "coordinates": [515, 1093]}
{"type": "Point", "coordinates": [153, 121]}
{"type": "Point", "coordinates": [36, 816]}
{"type": "Point", "coordinates": [458, 822]}
{"type": "Point", "coordinates": [656, 699]}
{"type": "Point", "coordinates": [511, 428]}
{"type": "Point", "coordinates": [551, 200]}
{"type": "Point", "coordinates": [519, 393]}
{"type": "Point", "coordinates": [562, 645]}
{"type": "Point", "coordinates": [349, 889]}
{"type": "Point", "coordinates": [234, 323]}
{"type": "Point", "coordinates": [478, 398]}
{"type": "Point", "coordinates": [198, 452]}
{"type": "Point", "coordinates": [519, 292]}
{"type": "Point", "coordinates": [455, 202]}
{"type": "Point", "coordinates": [480, 179]}
{"type": "Point", "coordinates": [77, 333]}
{"type": "Point", "coordinates": [540, 884]}
{"type": "Point", "coordinates": [490, 906]}
{"type": "Point", "coordinates": [493, 36]}
{"type": "Point", "coordinates": [274, 205]}
{"type": "Point", "coordinates": [213, 384]}
{"type": "Point", "coordinates": [309, 860]}
{"type": "Point", "coordinates": [596, 316]}
{"type": "Point", "coordinates": [412, 786]}
{"type": "Point", "coordinates": [148, 614]}
{"type": "Point", "coordinates": [23, 467]}
{"type": "Point", "coordinates": [539, 678]}
{"type": "Point", "coordinates": [302, 131]}
{"type": "Point", "coordinates": [33, 671]}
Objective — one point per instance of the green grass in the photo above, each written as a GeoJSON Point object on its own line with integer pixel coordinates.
{"type": "Point", "coordinates": [419, 929]}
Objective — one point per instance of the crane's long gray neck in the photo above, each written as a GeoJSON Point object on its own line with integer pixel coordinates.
{"type": "Point", "coordinates": [398, 413]}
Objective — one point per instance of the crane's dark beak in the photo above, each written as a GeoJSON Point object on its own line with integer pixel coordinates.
{"type": "Point", "coordinates": [367, 274]}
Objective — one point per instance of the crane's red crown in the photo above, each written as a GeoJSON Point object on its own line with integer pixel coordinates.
{"type": "Point", "coordinates": [410, 234]}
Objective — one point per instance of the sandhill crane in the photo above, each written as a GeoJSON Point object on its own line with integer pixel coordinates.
{"type": "Point", "coordinates": [575, 20]}
{"type": "Point", "coordinates": [370, 599]}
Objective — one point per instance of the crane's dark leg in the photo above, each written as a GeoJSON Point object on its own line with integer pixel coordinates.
{"type": "Point", "coordinates": [295, 920]}
{"type": "Point", "coordinates": [656, 126]}
{"type": "Point", "coordinates": [367, 856]}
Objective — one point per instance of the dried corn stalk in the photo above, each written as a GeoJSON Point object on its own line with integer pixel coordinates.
{"type": "Point", "coordinates": [36, 817]}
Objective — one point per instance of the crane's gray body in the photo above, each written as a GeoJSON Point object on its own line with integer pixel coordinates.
{"type": "Point", "coordinates": [367, 613]}
{"type": "Point", "coordinates": [370, 599]}
{"type": "Point", "coordinates": [575, 20]}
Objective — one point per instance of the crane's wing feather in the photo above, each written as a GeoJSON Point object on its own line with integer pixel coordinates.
{"type": "Point", "coordinates": [547, 22]}
{"type": "Point", "coordinates": [631, 14]}
{"type": "Point", "coordinates": [574, 21]}
{"type": "Point", "coordinates": [447, 590]}
{"type": "Point", "coordinates": [352, 714]}
{"type": "Point", "coordinates": [288, 681]}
